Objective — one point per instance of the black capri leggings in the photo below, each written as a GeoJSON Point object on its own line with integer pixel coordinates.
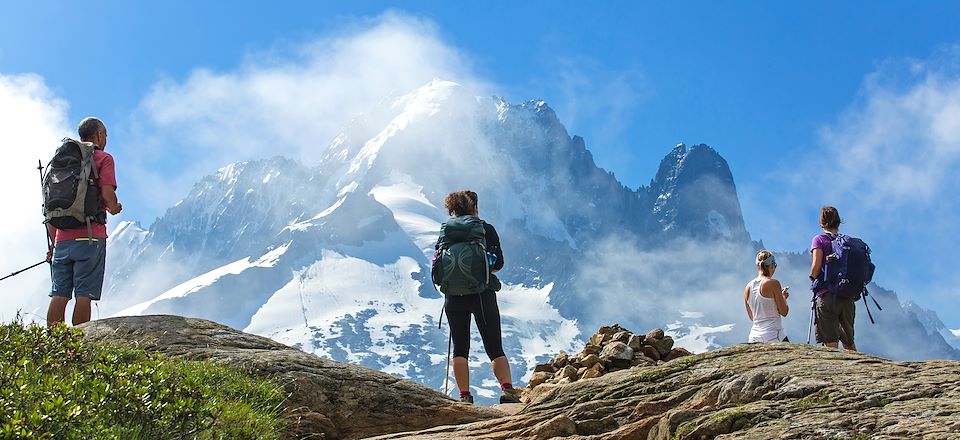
{"type": "Point", "coordinates": [484, 309]}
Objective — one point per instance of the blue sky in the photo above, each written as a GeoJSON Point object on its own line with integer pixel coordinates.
{"type": "Point", "coordinates": [775, 88]}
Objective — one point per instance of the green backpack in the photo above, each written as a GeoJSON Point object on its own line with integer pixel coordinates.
{"type": "Point", "coordinates": [460, 265]}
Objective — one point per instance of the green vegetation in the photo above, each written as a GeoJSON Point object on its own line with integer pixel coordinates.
{"type": "Point", "coordinates": [684, 429]}
{"type": "Point", "coordinates": [665, 387]}
{"type": "Point", "coordinates": [737, 418]}
{"type": "Point", "coordinates": [819, 398]}
{"type": "Point", "coordinates": [54, 385]}
{"type": "Point", "coordinates": [722, 422]}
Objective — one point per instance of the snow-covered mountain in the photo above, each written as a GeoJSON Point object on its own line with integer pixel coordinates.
{"type": "Point", "coordinates": [333, 258]}
{"type": "Point", "coordinates": [932, 323]}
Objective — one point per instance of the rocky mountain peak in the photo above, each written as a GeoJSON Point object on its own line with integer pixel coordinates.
{"type": "Point", "coordinates": [694, 192]}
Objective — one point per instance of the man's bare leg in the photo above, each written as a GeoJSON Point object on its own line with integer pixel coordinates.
{"type": "Point", "coordinates": [81, 310]}
{"type": "Point", "coordinates": [56, 310]}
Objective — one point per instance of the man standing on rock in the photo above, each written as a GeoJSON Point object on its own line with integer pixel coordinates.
{"type": "Point", "coordinates": [77, 257]}
{"type": "Point", "coordinates": [834, 315]}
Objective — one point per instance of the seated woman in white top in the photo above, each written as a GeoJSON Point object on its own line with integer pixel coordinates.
{"type": "Point", "coordinates": [766, 302]}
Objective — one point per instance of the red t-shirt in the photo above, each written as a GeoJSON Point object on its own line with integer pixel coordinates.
{"type": "Point", "coordinates": [108, 176]}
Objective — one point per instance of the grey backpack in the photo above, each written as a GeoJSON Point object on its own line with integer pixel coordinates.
{"type": "Point", "coordinates": [71, 192]}
{"type": "Point", "coordinates": [460, 265]}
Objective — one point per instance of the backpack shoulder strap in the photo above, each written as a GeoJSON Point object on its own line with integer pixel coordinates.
{"type": "Point", "coordinates": [88, 150]}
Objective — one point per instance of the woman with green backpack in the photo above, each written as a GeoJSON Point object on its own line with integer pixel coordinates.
{"type": "Point", "coordinates": [467, 255]}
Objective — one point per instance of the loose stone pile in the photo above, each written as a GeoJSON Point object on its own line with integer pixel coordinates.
{"type": "Point", "coordinates": [612, 348]}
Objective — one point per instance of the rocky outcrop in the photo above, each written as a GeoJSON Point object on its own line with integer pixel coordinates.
{"type": "Point", "coordinates": [748, 391]}
{"type": "Point", "coordinates": [611, 348]}
{"type": "Point", "coordinates": [327, 399]}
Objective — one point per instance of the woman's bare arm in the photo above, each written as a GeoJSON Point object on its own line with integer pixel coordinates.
{"type": "Point", "coordinates": [778, 296]}
{"type": "Point", "coordinates": [817, 263]}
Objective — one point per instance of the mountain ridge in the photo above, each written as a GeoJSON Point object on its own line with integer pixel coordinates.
{"type": "Point", "coordinates": [333, 258]}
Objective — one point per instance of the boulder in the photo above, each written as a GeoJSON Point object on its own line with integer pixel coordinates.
{"type": "Point", "coordinates": [560, 360]}
{"type": "Point", "coordinates": [677, 353]}
{"type": "Point", "coordinates": [650, 352]}
{"type": "Point", "coordinates": [596, 340]}
{"type": "Point", "coordinates": [617, 351]}
{"type": "Point", "coordinates": [539, 378]}
{"type": "Point", "coordinates": [635, 342]}
{"type": "Point", "coordinates": [590, 374]}
{"type": "Point", "coordinates": [656, 333]}
{"type": "Point", "coordinates": [640, 359]}
{"type": "Point", "coordinates": [326, 399]}
{"type": "Point", "coordinates": [590, 361]}
{"type": "Point", "coordinates": [567, 372]}
{"type": "Point", "coordinates": [620, 336]}
{"type": "Point", "coordinates": [546, 368]}
{"type": "Point", "coordinates": [663, 345]}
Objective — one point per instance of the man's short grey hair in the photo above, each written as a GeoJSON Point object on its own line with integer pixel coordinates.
{"type": "Point", "coordinates": [89, 127]}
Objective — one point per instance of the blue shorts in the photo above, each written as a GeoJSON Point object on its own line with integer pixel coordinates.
{"type": "Point", "coordinates": [77, 268]}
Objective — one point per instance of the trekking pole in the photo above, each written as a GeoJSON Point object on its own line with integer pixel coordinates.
{"type": "Point", "coordinates": [446, 368]}
{"type": "Point", "coordinates": [810, 326]}
{"type": "Point", "coordinates": [43, 208]}
{"type": "Point", "coordinates": [446, 375]}
{"type": "Point", "coordinates": [866, 305]}
{"type": "Point", "coordinates": [24, 269]}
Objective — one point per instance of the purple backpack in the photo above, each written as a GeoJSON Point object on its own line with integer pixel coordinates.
{"type": "Point", "coordinates": [848, 270]}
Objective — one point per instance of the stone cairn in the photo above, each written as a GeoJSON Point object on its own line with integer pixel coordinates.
{"type": "Point", "coordinates": [612, 348]}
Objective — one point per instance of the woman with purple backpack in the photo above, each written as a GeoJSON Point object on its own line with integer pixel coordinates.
{"type": "Point", "coordinates": [835, 314]}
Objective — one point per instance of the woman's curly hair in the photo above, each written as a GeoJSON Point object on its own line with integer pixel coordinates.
{"type": "Point", "coordinates": [460, 203]}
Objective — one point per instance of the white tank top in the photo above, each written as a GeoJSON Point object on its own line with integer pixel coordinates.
{"type": "Point", "coordinates": [767, 322]}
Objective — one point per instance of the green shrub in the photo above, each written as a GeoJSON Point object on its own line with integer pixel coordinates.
{"type": "Point", "coordinates": [54, 385]}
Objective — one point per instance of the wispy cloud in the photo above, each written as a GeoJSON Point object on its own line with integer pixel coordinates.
{"type": "Point", "coordinates": [900, 145]}
{"type": "Point", "coordinates": [698, 284]}
{"type": "Point", "coordinates": [33, 120]}
{"type": "Point", "coordinates": [289, 101]}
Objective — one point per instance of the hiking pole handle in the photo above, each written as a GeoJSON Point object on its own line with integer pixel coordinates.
{"type": "Point", "coordinates": [23, 270]}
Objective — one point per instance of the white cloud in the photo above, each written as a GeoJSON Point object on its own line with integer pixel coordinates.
{"type": "Point", "coordinates": [691, 288]}
{"type": "Point", "coordinates": [33, 121]}
{"type": "Point", "coordinates": [889, 164]}
{"type": "Point", "coordinates": [290, 101]}
{"type": "Point", "coordinates": [900, 146]}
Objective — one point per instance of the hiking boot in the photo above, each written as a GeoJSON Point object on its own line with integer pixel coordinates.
{"type": "Point", "coordinates": [509, 396]}
{"type": "Point", "coordinates": [467, 399]}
